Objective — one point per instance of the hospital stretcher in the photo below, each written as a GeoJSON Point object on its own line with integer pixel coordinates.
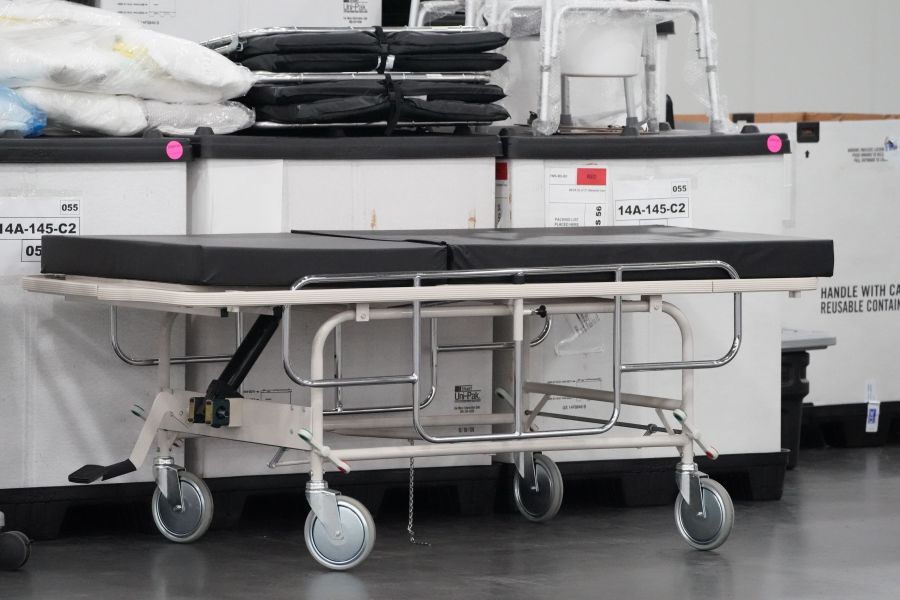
{"type": "Point", "coordinates": [421, 277]}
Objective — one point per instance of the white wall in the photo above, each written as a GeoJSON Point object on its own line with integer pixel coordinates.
{"type": "Point", "coordinates": [797, 55]}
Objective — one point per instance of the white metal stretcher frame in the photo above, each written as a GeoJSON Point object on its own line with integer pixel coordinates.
{"type": "Point", "coordinates": [339, 530]}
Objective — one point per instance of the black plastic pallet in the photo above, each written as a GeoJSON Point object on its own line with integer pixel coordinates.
{"type": "Point", "coordinates": [843, 425]}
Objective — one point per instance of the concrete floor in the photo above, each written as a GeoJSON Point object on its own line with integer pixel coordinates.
{"type": "Point", "coordinates": [836, 534]}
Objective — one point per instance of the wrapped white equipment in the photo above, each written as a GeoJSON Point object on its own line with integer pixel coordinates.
{"type": "Point", "coordinates": [126, 115]}
{"type": "Point", "coordinates": [185, 119]}
{"type": "Point", "coordinates": [81, 112]}
{"type": "Point", "coordinates": [58, 52]}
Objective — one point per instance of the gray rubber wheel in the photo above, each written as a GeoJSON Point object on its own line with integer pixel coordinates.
{"type": "Point", "coordinates": [15, 549]}
{"type": "Point", "coordinates": [355, 545]}
{"type": "Point", "coordinates": [543, 504]}
{"type": "Point", "coordinates": [710, 532]}
{"type": "Point", "coordinates": [193, 520]}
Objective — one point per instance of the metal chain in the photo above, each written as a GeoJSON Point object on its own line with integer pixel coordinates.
{"type": "Point", "coordinates": [409, 527]}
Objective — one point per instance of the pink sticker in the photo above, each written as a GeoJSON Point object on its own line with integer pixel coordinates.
{"type": "Point", "coordinates": [174, 150]}
{"type": "Point", "coordinates": [774, 144]}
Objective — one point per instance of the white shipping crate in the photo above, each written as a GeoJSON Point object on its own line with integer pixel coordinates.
{"type": "Point", "coordinates": [350, 184]}
{"type": "Point", "coordinates": [66, 398]}
{"type": "Point", "coordinates": [845, 188]}
{"type": "Point", "coordinates": [200, 20]}
{"type": "Point", "coordinates": [738, 406]}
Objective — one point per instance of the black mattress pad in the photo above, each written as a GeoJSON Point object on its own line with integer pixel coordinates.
{"type": "Point", "coordinates": [371, 42]}
{"type": "Point", "coordinates": [361, 63]}
{"type": "Point", "coordinates": [244, 260]}
{"type": "Point", "coordinates": [280, 259]}
{"type": "Point", "coordinates": [277, 95]}
{"type": "Point", "coordinates": [752, 255]}
{"type": "Point", "coordinates": [369, 109]}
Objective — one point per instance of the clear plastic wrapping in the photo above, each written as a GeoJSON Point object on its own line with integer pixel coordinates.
{"type": "Point", "coordinates": [61, 46]}
{"type": "Point", "coordinates": [79, 112]}
{"type": "Point", "coordinates": [185, 119]}
{"type": "Point", "coordinates": [696, 74]}
{"type": "Point", "coordinates": [514, 18]}
{"type": "Point", "coordinates": [88, 113]}
{"type": "Point", "coordinates": [432, 10]}
{"type": "Point", "coordinates": [17, 116]}
{"type": "Point", "coordinates": [600, 52]}
{"type": "Point", "coordinates": [595, 57]}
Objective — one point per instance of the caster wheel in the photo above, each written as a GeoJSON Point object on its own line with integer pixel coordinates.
{"type": "Point", "coordinates": [543, 504]}
{"type": "Point", "coordinates": [15, 549]}
{"type": "Point", "coordinates": [710, 532]}
{"type": "Point", "coordinates": [189, 524]}
{"type": "Point", "coordinates": [356, 544]}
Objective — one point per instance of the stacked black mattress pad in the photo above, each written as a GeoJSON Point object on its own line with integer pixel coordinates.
{"type": "Point", "coordinates": [373, 76]}
{"type": "Point", "coordinates": [343, 50]}
{"type": "Point", "coordinates": [370, 101]}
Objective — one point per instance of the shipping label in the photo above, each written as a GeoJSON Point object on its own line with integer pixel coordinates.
{"type": "Point", "coordinates": [24, 220]}
{"type": "Point", "coordinates": [577, 196]}
{"type": "Point", "coordinates": [503, 218]}
{"type": "Point", "coordinates": [149, 12]}
{"type": "Point", "coordinates": [652, 202]}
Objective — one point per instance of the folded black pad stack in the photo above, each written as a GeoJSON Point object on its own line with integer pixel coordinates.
{"type": "Point", "coordinates": [438, 93]}
{"type": "Point", "coordinates": [263, 95]}
{"type": "Point", "coordinates": [362, 63]}
{"type": "Point", "coordinates": [371, 101]}
{"type": "Point", "coordinates": [373, 50]}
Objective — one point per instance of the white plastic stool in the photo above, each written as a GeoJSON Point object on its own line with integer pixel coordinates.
{"type": "Point", "coordinates": [618, 49]}
{"type": "Point", "coordinates": [607, 50]}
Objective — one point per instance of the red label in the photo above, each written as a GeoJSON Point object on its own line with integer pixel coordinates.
{"type": "Point", "coordinates": [591, 176]}
{"type": "Point", "coordinates": [502, 171]}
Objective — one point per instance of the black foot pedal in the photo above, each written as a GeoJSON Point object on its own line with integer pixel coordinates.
{"type": "Point", "coordinates": [92, 473]}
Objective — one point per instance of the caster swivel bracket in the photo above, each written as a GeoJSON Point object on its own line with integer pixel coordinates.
{"type": "Point", "coordinates": [688, 479]}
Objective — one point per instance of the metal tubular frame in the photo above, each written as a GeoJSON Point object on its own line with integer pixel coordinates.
{"type": "Point", "coordinates": [686, 403]}
{"type": "Point", "coordinates": [152, 362]}
{"type": "Point", "coordinates": [519, 433]}
{"type": "Point", "coordinates": [306, 426]}
{"type": "Point", "coordinates": [417, 279]}
{"type": "Point", "coordinates": [338, 373]}
{"type": "Point", "coordinates": [537, 341]}
{"type": "Point", "coordinates": [435, 351]}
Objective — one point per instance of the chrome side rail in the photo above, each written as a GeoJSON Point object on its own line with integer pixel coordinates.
{"type": "Point", "coordinates": [519, 275]}
{"type": "Point", "coordinates": [537, 341]}
{"type": "Point", "coordinates": [152, 362]}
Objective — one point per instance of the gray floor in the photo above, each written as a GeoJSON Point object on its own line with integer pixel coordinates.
{"type": "Point", "coordinates": [836, 534]}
